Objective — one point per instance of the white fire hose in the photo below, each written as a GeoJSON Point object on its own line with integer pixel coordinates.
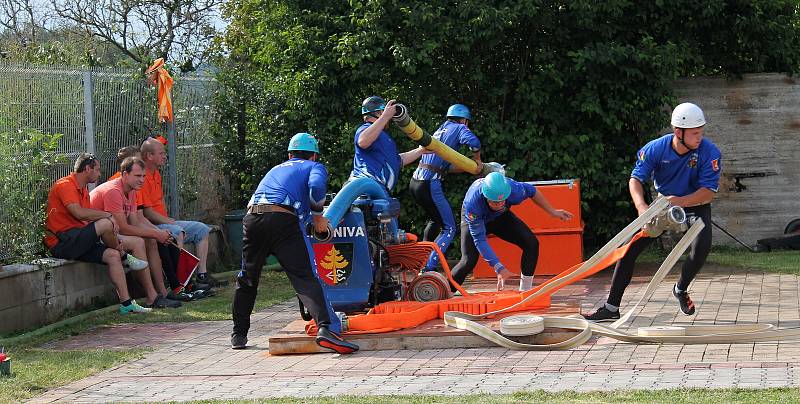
{"type": "Point", "coordinates": [658, 218]}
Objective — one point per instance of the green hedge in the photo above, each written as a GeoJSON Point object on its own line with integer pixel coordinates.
{"type": "Point", "coordinates": [559, 89]}
{"type": "Point", "coordinates": [26, 158]}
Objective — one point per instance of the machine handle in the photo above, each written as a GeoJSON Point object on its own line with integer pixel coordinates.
{"type": "Point", "coordinates": [321, 237]}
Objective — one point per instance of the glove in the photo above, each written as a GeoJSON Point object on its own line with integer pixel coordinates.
{"type": "Point", "coordinates": [491, 168]}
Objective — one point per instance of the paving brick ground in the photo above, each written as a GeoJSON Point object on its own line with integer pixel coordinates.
{"type": "Point", "coordinates": [203, 366]}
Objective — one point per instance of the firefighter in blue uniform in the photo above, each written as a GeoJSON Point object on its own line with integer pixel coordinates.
{"type": "Point", "coordinates": [277, 215]}
{"type": "Point", "coordinates": [426, 183]}
{"type": "Point", "coordinates": [485, 211]}
{"type": "Point", "coordinates": [376, 153]}
{"type": "Point", "coordinates": [685, 168]}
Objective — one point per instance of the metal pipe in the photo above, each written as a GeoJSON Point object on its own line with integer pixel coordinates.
{"type": "Point", "coordinates": [751, 249]}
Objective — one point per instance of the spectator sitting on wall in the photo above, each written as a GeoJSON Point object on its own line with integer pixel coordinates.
{"type": "Point", "coordinates": [184, 231]}
{"type": "Point", "coordinates": [118, 197]}
{"type": "Point", "coordinates": [167, 254]}
{"type": "Point", "coordinates": [122, 154]}
{"type": "Point", "coordinates": [75, 231]}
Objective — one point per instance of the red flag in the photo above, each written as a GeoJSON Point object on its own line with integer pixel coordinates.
{"type": "Point", "coordinates": [187, 264]}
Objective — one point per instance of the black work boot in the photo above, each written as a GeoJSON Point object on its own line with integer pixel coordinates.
{"type": "Point", "coordinates": [327, 339]}
{"type": "Point", "coordinates": [238, 341]}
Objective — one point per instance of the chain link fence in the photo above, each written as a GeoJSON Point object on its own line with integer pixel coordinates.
{"type": "Point", "coordinates": [99, 111]}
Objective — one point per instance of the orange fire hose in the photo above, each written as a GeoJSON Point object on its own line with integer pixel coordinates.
{"type": "Point", "coordinates": [397, 315]}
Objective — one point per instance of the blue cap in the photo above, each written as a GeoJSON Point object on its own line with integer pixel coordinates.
{"type": "Point", "coordinates": [372, 104]}
{"type": "Point", "coordinates": [304, 142]}
{"type": "Point", "coordinates": [459, 111]}
{"type": "Point", "coordinates": [495, 187]}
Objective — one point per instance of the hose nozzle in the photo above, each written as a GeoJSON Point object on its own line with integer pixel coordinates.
{"type": "Point", "coordinates": [401, 116]}
{"type": "Point", "coordinates": [672, 218]}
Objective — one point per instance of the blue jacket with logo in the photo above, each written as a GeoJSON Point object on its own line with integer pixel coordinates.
{"type": "Point", "coordinates": [380, 161]}
{"type": "Point", "coordinates": [675, 174]}
{"type": "Point", "coordinates": [453, 134]}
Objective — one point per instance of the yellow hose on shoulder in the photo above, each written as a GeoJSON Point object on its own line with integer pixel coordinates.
{"type": "Point", "coordinates": [415, 133]}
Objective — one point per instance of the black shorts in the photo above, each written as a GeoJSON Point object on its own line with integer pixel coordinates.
{"type": "Point", "coordinates": [80, 244]}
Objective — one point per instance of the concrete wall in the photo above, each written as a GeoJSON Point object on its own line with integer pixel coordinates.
{"type": "Point", "coordinates": [755, 122]}
{"type": "Point", "coordinates": [35, 295]}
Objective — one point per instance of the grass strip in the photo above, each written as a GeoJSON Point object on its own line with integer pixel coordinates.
{"type": "Point", "coordinates": [35, 369]}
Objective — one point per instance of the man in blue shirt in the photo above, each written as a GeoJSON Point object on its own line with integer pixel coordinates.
{"type": "Point", "coordinates": [685, 168]}
{"type": "Point", "coordinates": [426, 184]}
{"type": "Point", "coordinates": [486, 210]}
{"type": "Point", "coordinates": [376, 153]}
{"type": "Point", "coordinates": [277, 215]}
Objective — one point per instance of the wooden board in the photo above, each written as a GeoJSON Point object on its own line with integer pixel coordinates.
{"type": "Point", "coordinates": [433, 334]}
{"type": "Point", "coordinates": [755, 122]}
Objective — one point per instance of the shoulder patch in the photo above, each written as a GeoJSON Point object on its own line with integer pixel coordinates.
{"type": "Point", "coordinates": [641, 155]}
{"type": "Point", "coordinates": [715, 164]}
{"type": "Point", "coordinates": [471, 216]}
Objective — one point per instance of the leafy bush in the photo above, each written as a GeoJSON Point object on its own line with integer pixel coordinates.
{"type": "Point", "coordinates": [559, 89]}
{"type": "Point", "coordinates": [26, 158]}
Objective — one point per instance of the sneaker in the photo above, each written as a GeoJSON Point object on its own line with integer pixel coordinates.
{"type": "Point", "coordinates": [133, 308]}
{"type": "Point", "coordinates": [162, 302]}
{"type": "Point", "coordinates": [210, 280]}
{"type": "Point", "coordinates": [197, 285]}
{"type": "Point", "coordinates": [201, 293]}
{"type": "Point", "coordinates": [134, 263]}
{"type": "Point", "coordinates": [687, 305]}
{"type": "Point", "coordinates": [603, 314]}
{"type": "Point", "coordinates": [180, 295]}
{"type": "Point", "coordinates": [327, 339]}
{"type": "Point", "coordinates": [238, 341]}
{"type": "Point", "coordinates": [206, 292]}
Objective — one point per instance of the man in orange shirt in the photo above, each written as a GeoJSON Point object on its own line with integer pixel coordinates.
{"type": "Point", "coordinates": [118, 197]}
{"type": "Point", "coordinates": [184, 231]}
{"type": "Point", "coordinates": [75, 231]}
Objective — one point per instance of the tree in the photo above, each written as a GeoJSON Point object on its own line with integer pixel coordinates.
{"type": "Point", "coordinates": [177, 30]}
{"type": "Point", "coordinates": [23, 20]}
{"type": "Point", "coordinates": [560, 89]}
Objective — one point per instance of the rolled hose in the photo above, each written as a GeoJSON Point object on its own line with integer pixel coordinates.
{"type": "Point", "coordinates": [415, 133]}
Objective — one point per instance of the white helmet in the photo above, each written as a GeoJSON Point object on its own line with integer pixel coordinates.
{"type": "Point", "coordinates": [688, 115]}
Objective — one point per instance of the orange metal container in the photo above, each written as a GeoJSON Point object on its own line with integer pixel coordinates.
{"type": "Point", "coordinates": [560, 242]}
{"type": "Point", "coordinates": [562, 194]}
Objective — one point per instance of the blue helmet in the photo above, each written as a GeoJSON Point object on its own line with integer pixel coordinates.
{"type": "Point", "coordinates": [372, 104]}
{"type": "Point", "coordinates": [495, 187]}
{"type": "Point", "coordinates": [459, 111]}
{"type": "Point", "coordinates": [304, 142]}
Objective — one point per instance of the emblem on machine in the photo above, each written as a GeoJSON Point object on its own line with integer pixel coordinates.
{"type": "Point", "coordinates": [334, 262]}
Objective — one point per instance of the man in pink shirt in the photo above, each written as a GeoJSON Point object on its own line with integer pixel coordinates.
{"type": "Point", "coordinates": [118, 197]}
